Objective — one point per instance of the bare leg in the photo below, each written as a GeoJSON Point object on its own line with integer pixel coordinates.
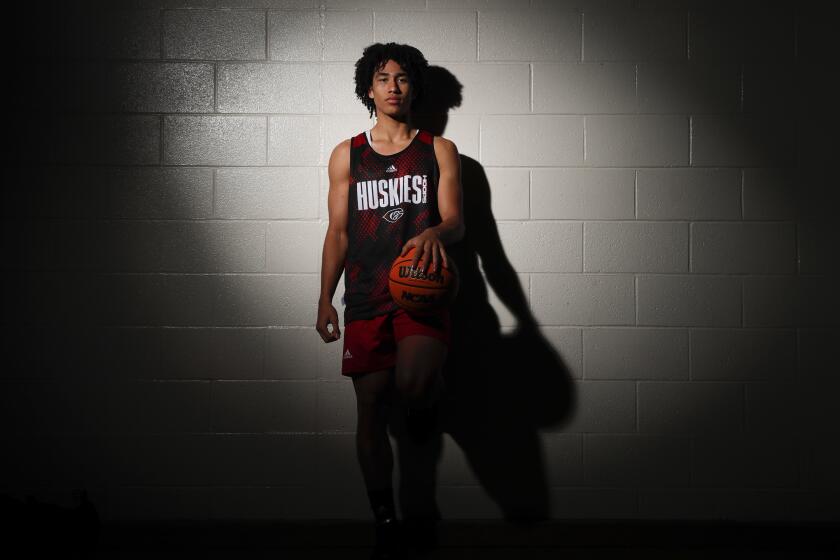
{"type": "Point", "coordinates": [420, 360]}
{"type": "Point", "coordinates": [372, 444]}
{"type": "Point", "coordinates": [373, 448]}
{"type": "Point", "coordinates": [419, 382]}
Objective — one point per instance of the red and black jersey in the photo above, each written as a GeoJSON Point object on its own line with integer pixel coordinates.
{"type": "Point", "coordinates": [392, 199]}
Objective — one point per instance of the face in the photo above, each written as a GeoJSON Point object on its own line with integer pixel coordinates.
{"type": "Point", "coordinates": [391, 91]}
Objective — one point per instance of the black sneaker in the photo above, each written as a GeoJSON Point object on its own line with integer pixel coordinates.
{"type": "Point", "coordinates": [387, 540]}
{"type": "Point", "coordinates": [421, 424]}
{"type": "Point", "coordinates": [421, 534]}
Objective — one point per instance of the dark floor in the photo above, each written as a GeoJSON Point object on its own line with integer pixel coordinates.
{"type": "Point", "coordinates": [61, 537]}
{"type": "Point", "coordinates": [484, 540]}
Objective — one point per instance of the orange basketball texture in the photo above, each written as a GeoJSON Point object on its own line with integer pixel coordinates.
{"type": "Point", "coordinates": [422, 292]}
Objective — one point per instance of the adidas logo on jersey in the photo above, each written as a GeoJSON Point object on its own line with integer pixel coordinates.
{"type": "Point", "coordinates": [348, 355]}
{"type": "Point", "coordinates": [391, 168]}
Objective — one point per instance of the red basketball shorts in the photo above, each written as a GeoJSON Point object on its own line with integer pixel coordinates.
{"type": "Point", "coordinates": [371, 344]}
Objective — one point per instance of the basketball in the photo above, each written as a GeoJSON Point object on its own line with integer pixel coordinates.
{"type": "Point", "coordinates": [422, 292]}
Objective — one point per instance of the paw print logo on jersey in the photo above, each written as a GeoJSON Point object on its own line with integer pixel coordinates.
{"type": "Point", "coordinates": [393, 215]}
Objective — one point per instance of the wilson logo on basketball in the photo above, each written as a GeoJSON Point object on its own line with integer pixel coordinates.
{"type": "Point", "coordinates": [394, 215]}
{"type": "Point", "coordinates": [409, 272]}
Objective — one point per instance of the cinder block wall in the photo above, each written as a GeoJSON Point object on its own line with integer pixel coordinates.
{"type": "Point", "coordinates": [651, 174]}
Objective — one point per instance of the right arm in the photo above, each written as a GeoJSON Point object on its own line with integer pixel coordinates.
{"type": "Point", "coordinates": [335, 242]}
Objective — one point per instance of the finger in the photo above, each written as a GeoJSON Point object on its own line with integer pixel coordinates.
{"type": "Point", "coordinates": [417, 254]}
{"type": "Point", "coordinates": [334, 321]}
{"type": "Point", "coordinates": [427, 256]}
{"type": "Point", "coordinates": [434, 258]}
{"type": "Point", "coordinates": [330, 334]}
{"type": "Point", "coordinates": [444, 257]}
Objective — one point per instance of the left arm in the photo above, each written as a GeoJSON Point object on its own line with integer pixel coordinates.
{"type": "Point", "coordinates": [430, 243]}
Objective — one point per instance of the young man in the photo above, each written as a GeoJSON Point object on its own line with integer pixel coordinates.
{"type": "Point", "coordinates": [392, 188]}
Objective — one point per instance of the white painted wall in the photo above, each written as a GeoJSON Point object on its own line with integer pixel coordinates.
{"type": "Point", "coordinates": [167, 253]}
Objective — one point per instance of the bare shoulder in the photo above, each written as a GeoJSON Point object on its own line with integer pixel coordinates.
{"type": "Point", "coordinates": [444, 145]}
{"type": "Point", "coordinates": [340, 159]}
{"type": "Point", "coordinates": [446, 153]}
{"type": "Point", "coordinates": [342, 150]}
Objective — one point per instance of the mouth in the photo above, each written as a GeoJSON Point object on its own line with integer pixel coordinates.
{"type": "Point", "coordinates": [394, 100]}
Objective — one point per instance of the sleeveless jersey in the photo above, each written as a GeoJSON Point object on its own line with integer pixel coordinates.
{"type": "Point", "coordinates": [392, 199]}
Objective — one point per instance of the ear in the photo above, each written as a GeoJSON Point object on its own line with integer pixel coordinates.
{"type": "Point", "coordinates": [370, 93]}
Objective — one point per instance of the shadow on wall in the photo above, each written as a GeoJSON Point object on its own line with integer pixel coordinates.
{"type": "Point", "coordinates": [500, 388]}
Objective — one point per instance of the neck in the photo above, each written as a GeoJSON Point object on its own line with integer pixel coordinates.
{"type": "Point", "coordinates": [392, 129]}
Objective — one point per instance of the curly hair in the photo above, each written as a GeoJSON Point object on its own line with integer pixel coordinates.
{"type": "Point", "coordinates": [374, 58]}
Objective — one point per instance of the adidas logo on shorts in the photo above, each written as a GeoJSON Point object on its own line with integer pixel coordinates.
{"type": "Point", "coordinates": [347, 355]}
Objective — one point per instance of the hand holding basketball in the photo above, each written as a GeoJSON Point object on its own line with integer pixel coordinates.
{"type": "Point", "coordinates": [421, 292]}
{"type": "Point", "coordinates": [428, 247]}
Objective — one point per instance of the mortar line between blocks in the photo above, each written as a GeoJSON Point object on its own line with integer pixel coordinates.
{"type": "Point", "coordinates": [477, 33]}
{"type": "Point", "coordinates": [584, 139]}
{"type": "Point", "coordinates": [636, 302]}
{"type": "Point", "coordinates": [688, 35]}
{"type": "Point", "coordinates": [582, 31]}
{"type": "Point", "coordinates": [531, 86]}
{"type": "Point", "coordinates": [636, 194]}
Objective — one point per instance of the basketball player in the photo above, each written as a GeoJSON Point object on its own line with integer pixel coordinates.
{"type": "Point", "coordinates": [392, 188]}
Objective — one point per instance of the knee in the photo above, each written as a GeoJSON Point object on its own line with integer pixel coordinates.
{"type": "Point", "coordinates": [371, 425]}
{"type": "Point", "coordinates": [373, 391]}
{"type": "Point", "coordinates": [416, 384]}
{"type": "Point", "coordinates": [372, 410]}
{"type": "Point", "coordinates": [372, 403]}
